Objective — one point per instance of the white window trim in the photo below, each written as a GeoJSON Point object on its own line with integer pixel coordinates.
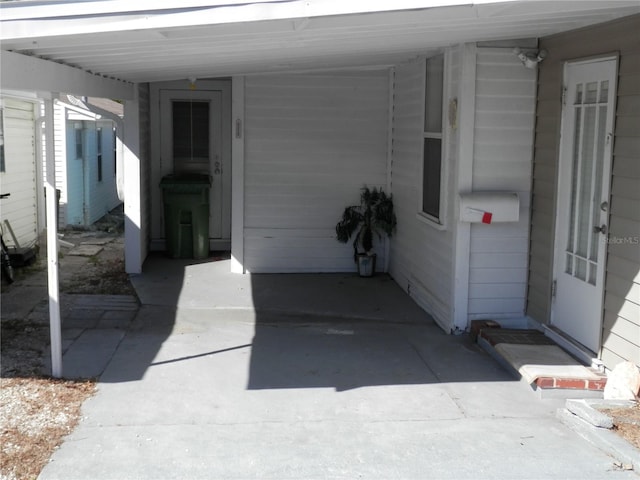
{"type": "Point", "coordinates": [442, 222]}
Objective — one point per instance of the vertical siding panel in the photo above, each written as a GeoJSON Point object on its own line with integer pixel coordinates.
{"type": "Point", "coordinates": [19, 178]}
{"type": "Point", "coordinates": [421, 255]}
{"type": "Point", "coordinates": [621, 337]}
{"type": "Point", "coordinates": [311, 142]}
{"type": "Point", "coordinates": [503, 143]}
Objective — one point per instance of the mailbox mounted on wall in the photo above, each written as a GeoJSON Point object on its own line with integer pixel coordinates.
{"type": "Point", "coordinates": [489, 207]}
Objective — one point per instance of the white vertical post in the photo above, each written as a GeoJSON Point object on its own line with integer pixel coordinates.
{"type": "Point", "coordinates": [237, 179]}
{"type": "Point", "coordinates": [132, 186]}
{"type": "Point", "coordinates": [52, 243]}
{"type": "Point", "coordinates": [466, 116]}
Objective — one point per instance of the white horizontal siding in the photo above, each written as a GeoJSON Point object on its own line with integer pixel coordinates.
{"type": "Point", "coordinates": [60, 150]}
{"type": "Point", "coordinates": [503, 142]}
{"type": "Point", "coordinates": [316, 249]}
{"type": "Point", "coordinates": [311, 142]}
{"type": "Point", "coordinates": [421, 255]}
{"type": "Point", "coordinates": [19, 178]}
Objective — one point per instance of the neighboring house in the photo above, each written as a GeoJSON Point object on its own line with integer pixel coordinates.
{"type": "Point", "coordinates": [292, 114]}
{"type": "Point", "coordinates": [20, 170]}
{"type": "Point", "coordinates": [86, 151]}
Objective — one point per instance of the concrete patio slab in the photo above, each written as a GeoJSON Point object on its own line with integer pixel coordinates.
{"type": "Point", "coordinates": [308, 376]}
{"type": "Point", "coordinates": [201, 284]}
{"type": "Point", "coordinates": [91, 352]}
{"type": "Point", "coordinates": [476, 449]}
{"type": "Point", "coordinates": [236, 394]}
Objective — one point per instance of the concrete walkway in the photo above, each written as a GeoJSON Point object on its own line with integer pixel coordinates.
{"type": "Point", "coordinates": [232, 377]}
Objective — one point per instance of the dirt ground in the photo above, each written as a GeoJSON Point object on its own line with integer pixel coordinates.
{"type": "Point", "coordinates": [37, 411]}
{"type": "Point", "coordinates": [626, 423]}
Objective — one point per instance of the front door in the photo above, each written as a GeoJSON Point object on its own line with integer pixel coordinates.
{"type": "Point", "coordinates": [583, 199]}
{"type": "Point", "coordinates": [191, 141]}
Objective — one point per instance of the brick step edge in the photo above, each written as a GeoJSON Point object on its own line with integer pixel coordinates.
{"type": "Point", "coordinates": [571, 383]}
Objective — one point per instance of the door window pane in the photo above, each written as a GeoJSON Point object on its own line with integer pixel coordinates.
{"type": "Point", "coordinates": [569, 266]}
{"type": "Point", "coordinates": [593, 268]}
{"type": "Point", "coordinates": [578, 94]}
{"type": "Point", "coordinates": [574, 180]}
{"type": "Point", "coordinates": [190, 136]}
{"type": "Point", "coordinates": [592, 92]}
{"type": "Point", "coordinates": [604, 91]}
{"type": "Point", "coordinates": [585, 186]}
{"type": "Point", "coordinates": [597, 193]}
{"type": "Point", "coordinates": [581, 269]}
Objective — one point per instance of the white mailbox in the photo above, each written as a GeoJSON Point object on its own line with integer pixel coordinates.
{"type": "Point", "coordinates": [489, 207]}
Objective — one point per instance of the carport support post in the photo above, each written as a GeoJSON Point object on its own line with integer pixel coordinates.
{"type": "Point", "coordinates": [132, 175]}
{"type": "Point", "coordinates": [52, 242]}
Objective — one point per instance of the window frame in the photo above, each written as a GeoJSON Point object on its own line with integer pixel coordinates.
{"type": "Point", "coordinates": [78, 140]}
{"type": "Point", "coordinates": [99, 152]}
{"type": "Point", "coordinates": [439, 222]}
{"type": "Point", "coordinates": [114, 150]}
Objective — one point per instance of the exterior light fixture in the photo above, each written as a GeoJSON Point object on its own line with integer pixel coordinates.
{"type": "Point", "coordinates": [530, 59]}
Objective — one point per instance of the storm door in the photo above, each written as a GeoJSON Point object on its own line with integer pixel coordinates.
{"type": "Point", "coordinates": [583, 199]}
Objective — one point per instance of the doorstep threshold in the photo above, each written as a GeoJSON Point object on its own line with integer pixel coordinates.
{"type": "Point", "coordinates": [540, 362]}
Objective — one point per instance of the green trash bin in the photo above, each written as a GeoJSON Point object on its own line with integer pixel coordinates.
{"type": "Point", "coordinates": [186, 215]}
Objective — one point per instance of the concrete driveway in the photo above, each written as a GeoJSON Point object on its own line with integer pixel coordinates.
{"type": "Point", "coordinates": [291, 378]}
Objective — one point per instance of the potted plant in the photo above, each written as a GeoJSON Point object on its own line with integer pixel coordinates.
{"type": "Point", "coordinates": [373, 215]}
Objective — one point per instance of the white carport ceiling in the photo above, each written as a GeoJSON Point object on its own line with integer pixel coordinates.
{"type": "Point", "coordinates": [137, 42]}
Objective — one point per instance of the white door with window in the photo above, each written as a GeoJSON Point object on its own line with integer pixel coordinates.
{"type": "Point", "coordinates": [191, 129]}
{"type": "Point", "coordinates": [583, 199]}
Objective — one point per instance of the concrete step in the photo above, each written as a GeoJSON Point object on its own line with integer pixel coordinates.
{"type": "Point", "coordinates": [589, 418]}
{"type": "Point", "coordinates": [534, 358]}
{"type": "Point", "coordinates": [101, 302]}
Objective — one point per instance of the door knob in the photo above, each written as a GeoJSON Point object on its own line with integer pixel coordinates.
{"type": "Point", "coordinates": [217, 170]}
{"type": "Point", "coordinates": [602, 229]}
